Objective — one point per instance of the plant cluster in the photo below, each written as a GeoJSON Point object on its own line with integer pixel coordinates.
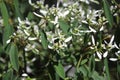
{"type": "Point", "coordinates": [69, 42]}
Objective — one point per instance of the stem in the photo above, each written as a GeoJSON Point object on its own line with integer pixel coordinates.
{"type": "Point", "coordinates": [78, 64]}
{"type": "Point", "coordinates": [24, 58]}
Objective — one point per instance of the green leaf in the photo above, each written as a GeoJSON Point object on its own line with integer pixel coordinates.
{"type": "Point", "coordinates": [17, 10]}
{"type": "Point", "coordinates": [8, 29]}
{"type": "Point", "coordinates": [92, 63]}
{"type": "Point", "coordinates": [30, 16]}
{"type": "Point", "coordinates": [84, 61]}
{"type": "Point", "coordinates": [64, 26]}
{"type": "Point", "coordinates": [107, 12]}
{"type": "Point", "coordinates": [107, 69]}
{"type": "Point", "coordinates": [84, 71]}
{"type": "Point", "coordinates": [96, 76]}
{"type": "Point", "coordinates": [44, 40]}
{"type": "Point", "coordinates": [60, 70]}
{"type": "Point", "coordinates": [13, 53]}
{"type": "Point", "coordinates": [8, 75]}
{"type": "Point", "coordinates": [118, 68]}
{"type": "Point", "coordinates": [4, 12]}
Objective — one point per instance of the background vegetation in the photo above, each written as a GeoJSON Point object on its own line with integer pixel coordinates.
{"type": "Point", "coordinates": [59, 40]}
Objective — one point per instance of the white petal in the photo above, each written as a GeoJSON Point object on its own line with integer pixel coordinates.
{"type": "Point", "coordinates": [105, 54]}
{"type": "Point", "coordinates": [93, 40]}
{"type": "Point", "coordinates": [43, 12]}
{"type": "Point", "coordinates": [8, 41]}
{"type": "Point", "coordinates": [116, 46]}
{"type": "Point", "coordinates": [50, 47]}
{"type": "Point", "coordinates": [24, 75]}
{"type": "Point", "coordinates": [37, 15]}
{"type": "Point", "coordinates": [66, 13]}
{"type": "Point", "coordinates": [117, 53]}
{"type": "Point", "coordinates": [93, 30]}
{"type": "Point", "coordinates": [96, 59]}
{"type": "Point", "coordinates": [113, 59]}
{"type": "Point", "coordinates": [32, 38]}
{"type": "Point", "coordinates": [112, 39]}
{"type": "Point", "coordinates": [102, 28]}
{"type": "Point", "coordinates": [68, 39]}
{"type": "Point", "coordinates": [99, 55]}
{"type": "Point", "coordinates": [26, 33]}
{"type": "Point", "coordinates": [19, 20]}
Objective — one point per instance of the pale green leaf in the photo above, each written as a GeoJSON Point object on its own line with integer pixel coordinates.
{"type": "Point", "coordinates": [8, 75]}
{"type": "Point", "coordinates": [60, 70]}
{"type": "Point", "coordinates": [8, 29]}
{"type": "Point", "coordinates": [107, 68]}
{"type": "Point", "coordinates": [64, 26]}
{"type": "Point", "coordinates": [13, 53]}
{"type": "Point", "coordinates": [44, 40]}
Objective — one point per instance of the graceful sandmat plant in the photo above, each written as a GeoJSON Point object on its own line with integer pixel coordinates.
{"type": "Point", "coordinates": [70, 41]}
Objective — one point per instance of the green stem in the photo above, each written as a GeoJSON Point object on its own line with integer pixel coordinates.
{"type": "Point", "coordinates": [78, 64]}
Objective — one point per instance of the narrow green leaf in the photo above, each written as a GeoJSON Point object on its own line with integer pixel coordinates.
{"type": "Point", "coordinates": [84, 61]}
{"type": "Point", "coordinates": [64, 26]}
{"type": "Point", "coordinates": [60, 70]}
{"type": "Point", "coordinates": [44, 40]}
{"type": "Point", "coordinates": [107, 12]}
{"type": "Point", "coordinates": [118, 70]}
{"type": "Point", "coordinates": [83, 71]}
{"type": "Point", "coordinates": [13, 53]}
{"type": "Point", "coordinates": [92, 63]}
{"type": "Point", "coordinates": [8, 29]}
{"type": "Point", "coordinates": [107, 68]}
{"type": "Point", "coordinates": [4, 12]}
{"type": "Point", "coordinates": [8, 75]}
{"type": "Point", "coordinates": [17, 10]}
{"type": "Point", "coordinates": [96, 76]}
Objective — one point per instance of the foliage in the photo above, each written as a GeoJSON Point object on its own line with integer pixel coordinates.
{"type": "Point", "coordinates": [74, 41]}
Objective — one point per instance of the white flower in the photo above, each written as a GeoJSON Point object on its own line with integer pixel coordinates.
{"type": "Point", "coordinates": [110, 44]}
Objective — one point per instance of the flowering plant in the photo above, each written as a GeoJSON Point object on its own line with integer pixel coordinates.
{"type": "Point", "coordinates": [71, 42]}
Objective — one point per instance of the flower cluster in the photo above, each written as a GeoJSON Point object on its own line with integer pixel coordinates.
{"type": "Point", "coordinates": [60, 27]}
